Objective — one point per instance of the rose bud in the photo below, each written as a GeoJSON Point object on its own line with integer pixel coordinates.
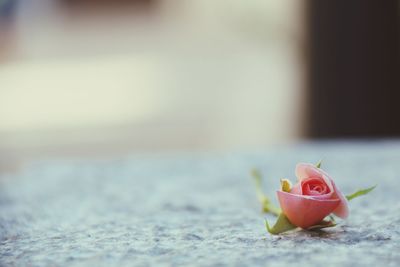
{"type": "Point", "coordinates": [314, 197]}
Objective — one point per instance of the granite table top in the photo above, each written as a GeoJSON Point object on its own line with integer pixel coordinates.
{"type": "Point", "coordinates": [197, 209]}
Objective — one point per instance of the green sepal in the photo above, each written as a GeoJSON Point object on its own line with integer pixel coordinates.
{"type": "Point", "coordinates": [318, 165]}
{"type": "Point", "coordinates": [286, 185]}
{"type": "Point", "coordinates": [266, 204]}
{"type": "Point", "coordinates": [281, 225]}
{"type": "Point", "coordinates": [360, 193]}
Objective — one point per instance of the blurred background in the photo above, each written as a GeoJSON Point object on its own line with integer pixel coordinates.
{"type": "Point", "coordinates": [112, 76]}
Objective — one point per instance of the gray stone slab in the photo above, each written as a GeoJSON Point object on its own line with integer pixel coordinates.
{"type": "Point", "coordinates": [194, 209]}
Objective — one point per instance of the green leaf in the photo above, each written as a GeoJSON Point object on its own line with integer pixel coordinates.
{"type": "Point", "coordinates": [282, 225]}
{"type": "Point", "coordinates": [360, 193]}
{"type": "Point", "coordinates": [318, 165]}
{"type": "Point", "coordinates": [266, 204]}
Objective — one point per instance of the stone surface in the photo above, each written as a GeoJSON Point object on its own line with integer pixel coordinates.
{"type": "Point", "coordinates": [194, 209]}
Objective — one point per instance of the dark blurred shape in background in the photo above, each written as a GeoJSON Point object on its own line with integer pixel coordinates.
{"type": "Point", "coordinates": [354, 68]}
{"type": "Point", "coordinates": [7, 14]}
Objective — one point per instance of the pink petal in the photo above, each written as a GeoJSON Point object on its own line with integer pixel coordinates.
{"type": "Point", "coordinates": [324, 196]}
{"type": "Point", "coordinates": [296, 189]}
{"type": "Point", "coordinates": [304, 211]}
{"type": "Point", "coordinates": [342, 210]}
{"type": "Point", "coordinates": [307, 170]}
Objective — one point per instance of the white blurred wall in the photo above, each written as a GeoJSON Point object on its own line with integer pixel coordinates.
{"type": "Point", "coordinates": [185, 75]}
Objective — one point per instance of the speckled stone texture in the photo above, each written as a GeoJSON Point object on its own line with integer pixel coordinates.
{"type": "Point", "coordinates": [196, 209]}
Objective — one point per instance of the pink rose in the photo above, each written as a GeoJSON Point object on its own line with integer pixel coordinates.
{"type": "Point", "coordinates": [314, 197]}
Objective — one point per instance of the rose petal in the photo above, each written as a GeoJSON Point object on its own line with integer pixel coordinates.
{"type": "Point", "coordinates": [316, 183]}
{"type": "Point", "coordinates": [296, 189]}
{"type": "Point", "coordinates": [324, 196]}
{"type": "Point", "coordinates": [307, 170]}
{"type": "Point", "coordinates": [305, 211]}
{"type": "Point", "coordinates": [342, 210]}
